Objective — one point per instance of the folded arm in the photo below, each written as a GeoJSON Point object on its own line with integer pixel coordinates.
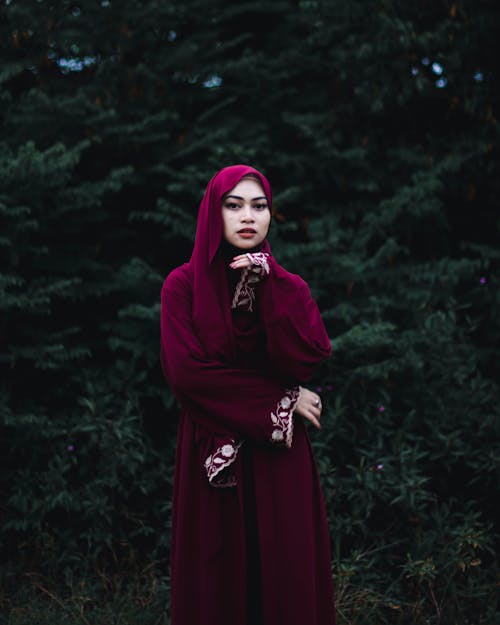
{"type": "Point", "coordinates": [222, 397]}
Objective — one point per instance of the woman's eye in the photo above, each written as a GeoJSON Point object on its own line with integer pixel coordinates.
{"type": "Point", "coordinates": [232, 205]}
{"type": "Point", "coordinates": [260, 207]}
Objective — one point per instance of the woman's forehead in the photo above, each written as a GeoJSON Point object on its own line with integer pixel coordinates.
{"type": "Point", "coordinates": [247, 186]}
{"type": "Point", "coordinates": [227, 179]}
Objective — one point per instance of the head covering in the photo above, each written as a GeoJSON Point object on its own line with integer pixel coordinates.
{"type": "Point", "coordinates": [211, 303]}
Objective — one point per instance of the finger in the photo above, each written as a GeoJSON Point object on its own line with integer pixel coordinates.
{"type": "Point", "coordinates": [310, 417]}
{"type": "Point", "coordinates": [240, 264]}
{"type": "Point", "coordinates": [316, 411]}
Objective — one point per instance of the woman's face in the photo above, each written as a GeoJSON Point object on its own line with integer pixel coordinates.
{"type": "Point", "coordinates": [245, 215]}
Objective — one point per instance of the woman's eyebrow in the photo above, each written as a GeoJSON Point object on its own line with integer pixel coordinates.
{"type": "Point", "coordinates": [260, 197]}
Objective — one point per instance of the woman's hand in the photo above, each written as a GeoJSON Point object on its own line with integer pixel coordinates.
{"type": "Point", "coordinates": [309, 406]}
{"type": "Point", "coordinates": [240, 262]}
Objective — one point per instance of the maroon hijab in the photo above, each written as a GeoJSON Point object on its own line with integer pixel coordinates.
{"type": "Point", "coordinates": [211, 305]}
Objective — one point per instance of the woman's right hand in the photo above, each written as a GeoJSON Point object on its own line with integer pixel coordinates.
{"type": "Point", "coordinates": [309, 406]}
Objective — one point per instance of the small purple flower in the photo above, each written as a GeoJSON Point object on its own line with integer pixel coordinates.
{"type": "Point", "coordinates": [483, 280]}
{"type": "Point", "coordinates": [380, 466]}
{"type": "Point", "coordinates": [319, 389]}
{"type": "Point", "coordinates": [381, 408]}
{"type": "Point", "coordinates": [329, 387]}
{"type": "Point", "coordinates": [70, 448]}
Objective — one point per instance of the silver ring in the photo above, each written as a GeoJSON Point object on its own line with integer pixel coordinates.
{"type": "Point", "coordinates": [317, 402]}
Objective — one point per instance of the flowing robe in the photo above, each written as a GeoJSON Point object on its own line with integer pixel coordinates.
{"type": "Point", "coordinates": [250, 542]}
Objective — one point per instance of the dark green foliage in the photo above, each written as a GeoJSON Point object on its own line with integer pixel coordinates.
{"type": "Point", "coordinates": [376, 122]}
{"type": "Point", "coordinates": [99, 598]}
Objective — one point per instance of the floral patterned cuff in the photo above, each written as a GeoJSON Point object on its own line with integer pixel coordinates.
{"type": "Point", "coordinates": [282, 418]}
{"type": "Point", "coordinates": [218, 464]}
{"type": "Point", "coordinates": [244, 294]}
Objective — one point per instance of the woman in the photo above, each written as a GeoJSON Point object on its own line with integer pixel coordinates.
{"type": "Point", "coordinates": [238, 335]}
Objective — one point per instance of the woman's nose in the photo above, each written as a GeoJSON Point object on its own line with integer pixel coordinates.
{"type": "Point", "coordinates": [247, 214]}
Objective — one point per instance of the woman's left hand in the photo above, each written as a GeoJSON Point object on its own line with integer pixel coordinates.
{"type": "Point", "coordinates": [309, 406]}
{"type": "Point", "coordinates": [240, 262]}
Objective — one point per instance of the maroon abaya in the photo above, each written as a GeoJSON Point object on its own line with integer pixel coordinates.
{"type": "Point", "coordinates": [250, 541]}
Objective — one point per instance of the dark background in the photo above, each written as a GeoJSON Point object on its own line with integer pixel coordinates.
{"type": "Point", "coordinates": [376, 122]}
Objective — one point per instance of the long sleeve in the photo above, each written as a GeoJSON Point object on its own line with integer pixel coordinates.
{"type": "Point", "coordinates": [224, 399]}
{"type": "Point", "coordinates": [296, 339]}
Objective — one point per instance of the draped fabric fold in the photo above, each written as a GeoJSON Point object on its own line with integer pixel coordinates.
{"type": "Point", "coordinates": [239, 553]}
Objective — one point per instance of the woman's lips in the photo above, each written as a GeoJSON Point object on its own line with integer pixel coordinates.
{"type": "Point", "coordinates": [247, 233]}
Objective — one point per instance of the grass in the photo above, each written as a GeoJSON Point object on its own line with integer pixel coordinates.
{"type": "Point", "coordinates": [102, 600]}
{"type": "Point", "coordinates": [140, 597]}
